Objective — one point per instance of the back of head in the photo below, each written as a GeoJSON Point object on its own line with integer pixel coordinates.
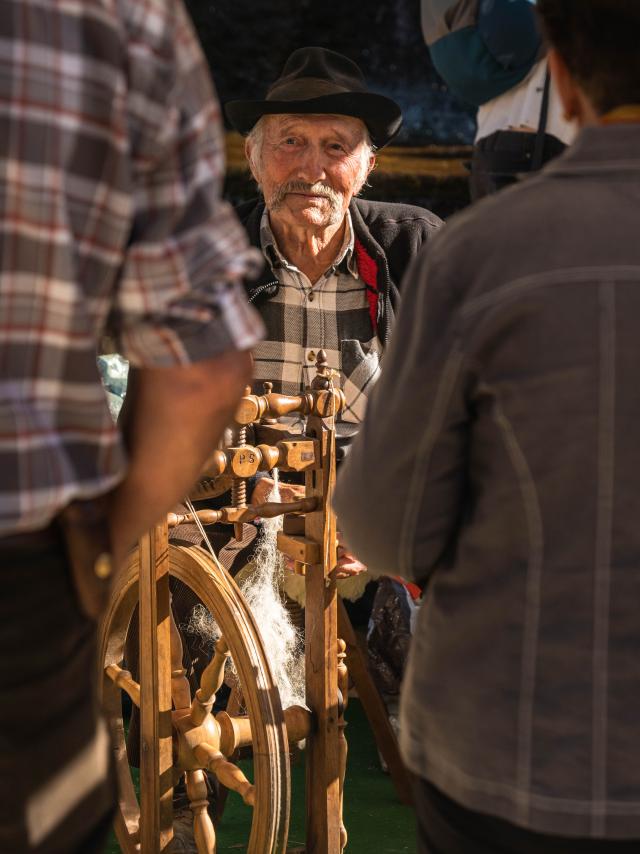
{"type": "Point", "coordinates": [598, 40]}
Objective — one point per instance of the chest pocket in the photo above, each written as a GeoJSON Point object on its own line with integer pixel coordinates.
{"type": "Point", "coordinates": [359, 372]}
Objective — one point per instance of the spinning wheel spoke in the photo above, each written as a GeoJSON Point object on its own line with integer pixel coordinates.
{"type": "Point", "coordinates": [123, 679]}
{"type": "Point", "coordinates": [180, 690]}
{"type": "Point", "coordinates": [229, 774]}
{"type": "Point", "coordinates": [235, 704]}
{"type": "Point", "coordinates": [203, 831]}
{"type": "Point", "coordinates": [210, 683]}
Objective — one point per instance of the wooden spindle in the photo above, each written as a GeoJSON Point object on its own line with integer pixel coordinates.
{"type": "Point", "coordinates": [229, 774]}
{"type": "Point", "coordinates": [203, 830]}
{"type": "Point", "coordinates": [210, 683]}
{"type": "Point", "coordinates": [123, 679]}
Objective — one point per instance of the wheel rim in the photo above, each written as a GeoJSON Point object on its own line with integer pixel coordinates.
{"type": "Point", "coordinates": [216, 589]}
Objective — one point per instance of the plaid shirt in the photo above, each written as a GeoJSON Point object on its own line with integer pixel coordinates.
{"type": "Point", "coordinates": [111, 162]}
{"type": "Point", "coordinates": [333, 314]}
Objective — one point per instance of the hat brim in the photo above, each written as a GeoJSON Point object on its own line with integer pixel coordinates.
{"type": "Point", "coordinates": [381, 115]}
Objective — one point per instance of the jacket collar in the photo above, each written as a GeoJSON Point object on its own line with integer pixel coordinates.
{"type": "Point", "coordinates": [600, 150]}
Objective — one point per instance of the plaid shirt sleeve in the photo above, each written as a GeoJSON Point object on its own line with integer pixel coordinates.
{"type": "Point", "coordinates": [179, 297]}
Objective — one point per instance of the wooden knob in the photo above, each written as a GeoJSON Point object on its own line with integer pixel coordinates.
{"type": "Point", "coordinates": [215, 465]}
{"type": "Point", "coordinates": [269, 457]}
{"type": "Point", "coordinates": [243, 460]}
{"type": "Point", "coordinates": [251, 408]}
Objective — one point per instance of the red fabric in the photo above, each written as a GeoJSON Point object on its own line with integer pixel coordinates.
{"type": "Point", "coordinates": [414, 591]}
{"type": "Point", "coordinates": [368, 271]}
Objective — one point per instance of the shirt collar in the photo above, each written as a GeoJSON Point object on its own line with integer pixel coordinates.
{"type": "Point", "coordinates": [345, 261]}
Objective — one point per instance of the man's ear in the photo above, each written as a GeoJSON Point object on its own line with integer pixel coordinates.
{"type": "Point", "coordinates": [372, 163]}
{"type": "Point", "coordinates": [248, 150]}
{"type": "Point", "coordinates": [576, 103]}
{"type": "Point", "coordinates": [567, 89]}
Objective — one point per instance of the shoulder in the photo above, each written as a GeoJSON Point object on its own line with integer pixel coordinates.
{"type": "Point", "coordinates": [495, 240]}
{"type": "Point", "coordinates": [381, 217]}
{"type": "Point", "coordinates": [393, 231]}
{"type": "Point", "coordinates": [493, 220]}
{"type": "Point", "coordinates": [397, 231]}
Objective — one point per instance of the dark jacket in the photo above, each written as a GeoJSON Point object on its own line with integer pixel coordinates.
{"type": "Point", "coordinates": [501, 454]}
{"type": "Point", "coordinates": [388, 236]}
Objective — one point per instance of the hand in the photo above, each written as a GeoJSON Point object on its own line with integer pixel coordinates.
{"type": "Point", "coordinates": [265, 486]}
{"type": "Point", "coordinates": [348, 564]}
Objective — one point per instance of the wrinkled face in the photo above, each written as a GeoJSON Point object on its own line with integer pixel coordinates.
{"type": "Point", "coordinates": [310, 166]}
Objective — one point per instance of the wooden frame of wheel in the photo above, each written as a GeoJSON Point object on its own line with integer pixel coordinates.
{"type": "Point", "coordinates": [216, 589]}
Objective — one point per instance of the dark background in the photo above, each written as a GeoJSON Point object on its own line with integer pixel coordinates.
{"type": "Point", "coordinates": [248, 41]}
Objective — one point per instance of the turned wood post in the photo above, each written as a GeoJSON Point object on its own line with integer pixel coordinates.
{"type": "Point", "coordinates": [343, 695]}
{"type": "Point", "coordinates": [321, 654]}
{"type": "Point", "coordinates": [156, 760]}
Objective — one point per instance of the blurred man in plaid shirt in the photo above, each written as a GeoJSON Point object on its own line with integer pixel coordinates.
{"type": "Point", "coordinates": [110, 173]}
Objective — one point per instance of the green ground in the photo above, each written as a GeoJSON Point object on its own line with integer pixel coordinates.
{"type": "Point", "coordinates": [377, 823]}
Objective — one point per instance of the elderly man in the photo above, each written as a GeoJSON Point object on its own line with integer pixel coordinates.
{"type": "Point", "coordinates": [333, 262]}
{"type": "Point", "coordinates": [514, 491]}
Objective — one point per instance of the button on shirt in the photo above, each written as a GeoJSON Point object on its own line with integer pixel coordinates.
{"type": "Point", "coordinates": [302, 318]}
{"type": "Point", "coordinates": [110, 205]}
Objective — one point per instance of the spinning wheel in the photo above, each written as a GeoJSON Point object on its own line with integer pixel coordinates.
{"type": "Point", "coordinates": [180, 735]}
{"type": "Point", "coordinates": [199, 739]}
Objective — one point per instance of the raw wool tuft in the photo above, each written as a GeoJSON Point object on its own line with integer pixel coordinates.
{"type": "Point", "coordinates": [202, 625]}
{"type": "Point", "coordinates": [261, 588]}
{"type": "Point", "coordinates": [261, 585]}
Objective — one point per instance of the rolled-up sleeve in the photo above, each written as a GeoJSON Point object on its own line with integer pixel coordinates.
{"type": "Point", "coordinates": [180, 297]}
{"type": "Point", "coordinates": [399, 493]}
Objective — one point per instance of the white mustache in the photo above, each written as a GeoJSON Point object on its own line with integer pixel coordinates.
{"type": "Point", "coordinates": [321, 190]}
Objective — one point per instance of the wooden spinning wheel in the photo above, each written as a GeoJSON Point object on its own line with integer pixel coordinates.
{"type": "Point", "coordinates": [214, 739]}
{"type": "Point", "coordinates": [180, 735]}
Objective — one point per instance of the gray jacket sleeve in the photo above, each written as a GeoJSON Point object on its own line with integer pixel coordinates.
{"type": "Point", "coordinates": [399, 493]}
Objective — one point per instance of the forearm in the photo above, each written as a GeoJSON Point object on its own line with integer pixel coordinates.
{"type": "Point", "coordinates": [174, 418]}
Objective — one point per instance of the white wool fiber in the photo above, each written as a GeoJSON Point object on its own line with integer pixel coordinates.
{"type": "Point", "coordinates": [282, 640]}
{"type": "Point", "coordinates": [261, 589]}
{"type": "Point", "coordinates": [202, 624]}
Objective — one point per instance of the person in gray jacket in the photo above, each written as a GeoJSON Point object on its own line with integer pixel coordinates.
{"type": "Point", "coordinates": [499, 465]}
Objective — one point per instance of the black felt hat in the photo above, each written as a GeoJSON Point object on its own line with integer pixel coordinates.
{"type": "Point", "coordinates": [317, 80]}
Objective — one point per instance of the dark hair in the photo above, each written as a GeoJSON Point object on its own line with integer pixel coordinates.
{"type": "Point", "coordinates": [600, 42]}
